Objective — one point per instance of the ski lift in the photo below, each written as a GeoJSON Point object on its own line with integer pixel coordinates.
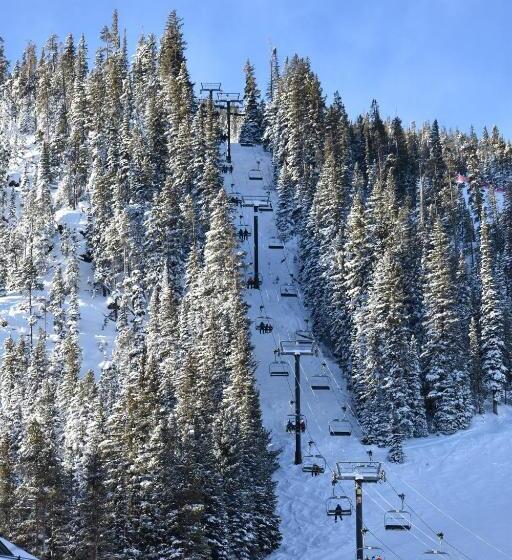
{"type": "Point", "coordinates": [398, 519]}
{"type": "Point", "coordinates": [321, 381]}
{"type": "Point", "coordinates": [304, 334]}
{"type": "Point", "coordinates": [235, 198]}
{"type": "Point", "coordinates": [291, 423]}
{"type": "Point", "coordinates": [256, 174]}
{"type": "Point", "coordinates": [243, 231]}
{"type": "Point", "coordinates": [289, 290]}
{"type": "Point", "coordinates": [246, 144]}
{"type": "Point", "coordinates": [313, 463]}
{"type": "Point", "coordinates": [341, 426]}
{"type": "Point", "coordinates": [264, 324]}
{"type": "Point", "coordinates": [275, 243]}
{"type": "Point", "coordinates": [250, 280]}
{"type": "Point", "coordinates": [279, 368]}
{"type": "Point", "coordinates": [438, 551]}
{"type": "Point", "coordinates": [332, 503]}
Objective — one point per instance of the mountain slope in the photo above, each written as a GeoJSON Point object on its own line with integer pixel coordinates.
{"type": "Point", "coordinates": [445, 479]}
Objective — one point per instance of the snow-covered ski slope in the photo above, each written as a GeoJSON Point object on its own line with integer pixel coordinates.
{"type": "Point", "coordinates": [460, 485]}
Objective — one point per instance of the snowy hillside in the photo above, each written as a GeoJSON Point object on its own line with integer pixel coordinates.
{"type": "Point", "coordinates": [445, 478]}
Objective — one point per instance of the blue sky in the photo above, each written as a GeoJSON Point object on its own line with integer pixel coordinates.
{"type": "Point", "coordinates": [421, 59]}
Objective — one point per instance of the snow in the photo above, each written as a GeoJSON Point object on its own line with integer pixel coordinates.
{"type": "Point", "coordinates": [97, 332]}
{"type": "Point", "coordinates": [458, 484]}
{"type": "Point", "coordinates": [16, 551]}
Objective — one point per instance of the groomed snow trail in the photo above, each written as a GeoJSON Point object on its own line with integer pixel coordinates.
{"type": "Point", "coordinates": [467, 475]}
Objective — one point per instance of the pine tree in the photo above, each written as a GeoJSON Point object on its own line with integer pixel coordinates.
{"type": "Point", "coordinates": [491, 320]}
{"type": "Point", "coordinates": [251, 129]}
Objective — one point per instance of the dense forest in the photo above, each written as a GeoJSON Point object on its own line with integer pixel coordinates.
{"type": "Point", "coordinates": [406, 254]}
{"type": "Point", "coordinates": [160, 452]}
{"type": "Point", "coordinates": [405, 237]}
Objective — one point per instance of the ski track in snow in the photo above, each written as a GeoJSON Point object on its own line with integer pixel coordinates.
{"type": "Point", "coordinates": [466, 475]}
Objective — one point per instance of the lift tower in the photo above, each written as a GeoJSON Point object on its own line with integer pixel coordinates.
{"type": "Point", "coordinates": [229, 100]}
{"type": "Point", "coordinates": [297, 348]}
{"type": "Point", "coordinates": [360, 472]}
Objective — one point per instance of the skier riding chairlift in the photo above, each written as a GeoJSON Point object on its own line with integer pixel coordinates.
{"type": "Point", "coordinates": [338, 513]}
{"type": "Point", "coordinates": [315, 470]}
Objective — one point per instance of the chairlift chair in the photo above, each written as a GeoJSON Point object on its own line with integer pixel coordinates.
{"type": "Point", "coordinates": [250, 280]}
{"type": "Point", "coordinates": [437, 551]}
{"type": "Point", "coordinates": [255, 175]}
{"type": "Point", "coordinates": [264, 324]}
{"type": "Point", "coordinates": [291, 423]}
{"type": "Point", "coordinates": [305, 334]}
{"type": "Point", "coordinates": [340, 427]}
{"type": "Point", "coordinates": [266, 206]}
{"type": "Point", "coordinates": [289, 290]}
{"type": "Point", "coordinates": [243, 230]}
{"type": "Point", "coordinates": [312, 463]}
{"type": "Point", "coordinates": [344, 503]}
{"type": "Point", "coordinates": [320, 382]}
{"type": "Point", "coordinates": [275, 243]}
{"type": "Point", "coordinates": [246, 144]}
{"type": "Point", "coordinates": [398, 519]}
{"type": "Point", "coordinates": [235, 198]}
{"type": "Point", "coordinates": [279, 368]}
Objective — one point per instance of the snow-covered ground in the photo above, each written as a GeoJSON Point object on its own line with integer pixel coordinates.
{"type": "Point", "coordinates": [97, 332]}
{"type": "Point", "coordinates": [16, 551]}
{"type": "Point", "coordinates": [458, 484]}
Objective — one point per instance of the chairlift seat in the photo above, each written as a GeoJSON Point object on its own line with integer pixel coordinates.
{"type": "Point", "coordinates": [291, 419]}
{"type": "Point", "coordinates": [343, 501]}
{"type": "Point", "coordinates": [340, 428]}
{"type": "Point", "coordinates": [397, 520]}
{"type": "Point", "coordinates": [235, 198]}
{"type": "Point", "coordinates": [320, 383]}
{"type": "Point", "coordinates": [255, 175]}
{"type": "Point", "coordinates": [279, 369]}
{"type": "Point", "coordinates": [264, 324]}
{"type": "Point", "coordinates": [275, 243]}
{"type": "Point", "coordinates": [314, 461]}
{"type": "Point", "coordinates": [289, 290]}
